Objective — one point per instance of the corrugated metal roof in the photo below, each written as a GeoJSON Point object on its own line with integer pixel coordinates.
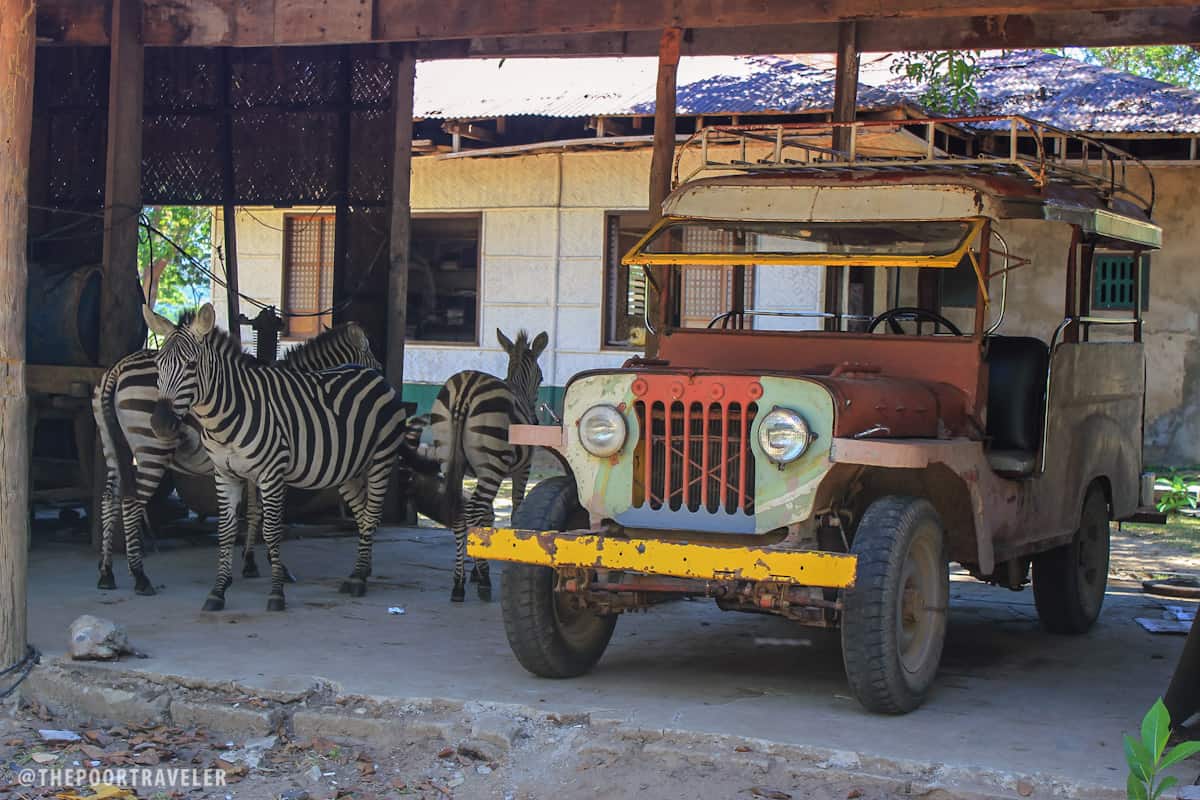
{"type": "Point", "coordinates": [582, 87]}
{"type": "Point", "coordinates": [1078, 96]}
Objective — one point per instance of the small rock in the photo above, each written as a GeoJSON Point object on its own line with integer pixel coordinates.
{"type": "Point", "coordinates": [252, 752]}
{"type": "Point", "coordinates": [295, 794]}
{"type": "Point", "coordinates": [1024, 787]}
{"type": "Point", "coordinates": [484, 769]}
{"type": "Point", "coordinates": [314, 773]}
{"type": "Point", "coordinates": [360, 711]}
{"type": "Point", "coordinates": [59, 736]}
{"type": "Point", "coordinates": [456, 781]}
{"type": "Point", "coordinates": [95, 638]}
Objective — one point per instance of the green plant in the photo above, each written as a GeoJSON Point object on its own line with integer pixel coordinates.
{"type": "Point", "coordinates": [948, 78]}
{"type": "Point", "coordinates": [1178, 494]}
{"type": "Point", "coordinates": [1146, 757]}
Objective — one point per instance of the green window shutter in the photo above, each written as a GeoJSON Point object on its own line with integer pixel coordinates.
{"type": "Point", "coordinates": [1112, 282]}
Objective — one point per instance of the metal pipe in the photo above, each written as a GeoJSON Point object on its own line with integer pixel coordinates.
{"type": "Point", "coordinates": [1003, 285]}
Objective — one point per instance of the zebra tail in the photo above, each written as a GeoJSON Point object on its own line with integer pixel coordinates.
{"type": "Point", "coordinates": [455, 468]}
{"type": "Point", "coordinates": [115, 445]}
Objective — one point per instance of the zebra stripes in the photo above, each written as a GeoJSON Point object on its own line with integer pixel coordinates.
{"type": "Point", "coordinates": [136, 460]}
{"type": "Point", "coordinates": [470, 420]}
{"type": "Point", "coordinates": [277, 427]}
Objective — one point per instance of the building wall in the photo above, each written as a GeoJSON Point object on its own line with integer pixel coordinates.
{"type": "Point", "coordinates": [542, 268]}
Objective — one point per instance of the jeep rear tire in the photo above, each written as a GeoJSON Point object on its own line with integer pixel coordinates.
{"type": "Point", "coordinates": [549, 636]}
{"type": "Point", "coordinates": [894, 617]}
{"type": "Point", "coordinates": [1069, 581]}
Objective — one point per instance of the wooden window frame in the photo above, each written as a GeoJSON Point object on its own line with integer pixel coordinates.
{"type": "Point", "coordinates": [478, 216]}
{"type": "Point", "coordinates": [327, 318]}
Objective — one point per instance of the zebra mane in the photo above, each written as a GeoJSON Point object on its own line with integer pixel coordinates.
{"type": "Point", "coordinates": [345, 331]}
{"type": "Point", "coordinates": [220, 341]}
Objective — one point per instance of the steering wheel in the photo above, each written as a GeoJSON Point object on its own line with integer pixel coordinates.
{"type": "Point", "coordinates": [893, 315]}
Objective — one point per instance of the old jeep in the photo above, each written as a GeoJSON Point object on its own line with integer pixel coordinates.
{"type": "Point", "coordinates": [918, 376]}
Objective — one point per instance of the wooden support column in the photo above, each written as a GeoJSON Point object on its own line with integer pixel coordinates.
{"type": "Point", "coordinates": [16, 119]}
{"type": "Point", "coordinates": [341, 212]}
{"type": "Point", "coordinates": [401, 212]}
{"type": "Point", "coordinates": [121, 316]}
{"type": "Point", "coordinates": [845, 103]}
{"type": "Point", "coordinates": [661, 162]}
{"type": "Point", "coordinates": [229, 206]}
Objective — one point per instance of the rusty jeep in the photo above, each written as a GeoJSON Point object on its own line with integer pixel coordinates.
{"type": "Point", "coordinates": [938, 361]}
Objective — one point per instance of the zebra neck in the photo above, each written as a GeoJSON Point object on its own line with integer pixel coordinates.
{"type": "Point", "coordinates": [222, 389]}
{"type": "Point", "coordinates": [525, 406]}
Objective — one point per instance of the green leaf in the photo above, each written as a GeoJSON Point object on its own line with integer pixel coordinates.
{"type": "Point", "coordinates": [1178, 753]}
{"type": "Point", "coordinates": [1167, 783]}
{"type": "Point", "coordinates": [1156, 727]}
{"type": "Point", "coordinates": [1141, 764]}
{"type": "Point", "coordinates": [1135, 789]}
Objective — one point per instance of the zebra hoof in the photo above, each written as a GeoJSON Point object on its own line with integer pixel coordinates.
{"type": "Point", "coordinates": [474, 575]}
{"type": "Point", "coordinates": [250, 569]}
{"type": "Point", "coordinates": [214, 603]}
{"type": "Point", "coordinates": [459, 593]}
{"type": "Point", "coordinates": [485, 592]}
{"type": "Point", "coordinates": [275, 603]}
{"type": "Point", "coordinates": [107, 581]}
{"type": "Point", "coordinates": [355, 587]}
{"type": "Point", "coordinates": [145, 588]}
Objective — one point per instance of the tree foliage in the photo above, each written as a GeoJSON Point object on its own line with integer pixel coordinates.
{"type": "Point", "coordinates": [183, 283]}
{"type": "Point", "coordinates": [1176, 65]}
{"type": "Point", "coordinates": [946, 78]}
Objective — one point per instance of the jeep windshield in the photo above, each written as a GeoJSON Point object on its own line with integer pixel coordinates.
{"type": "Point", "coordinates": [935, 243]}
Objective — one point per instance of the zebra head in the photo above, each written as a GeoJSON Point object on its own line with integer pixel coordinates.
{"type": "Point", "coordinates": [524, 374]}
{"type": "Point", "coordinates": [177, 362]}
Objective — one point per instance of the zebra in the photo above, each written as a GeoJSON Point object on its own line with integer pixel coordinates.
{"type": "Point", "coordinates": [136, 459]}
{"type": "Point", "coordinates": [470, 420]}
{"type": "Point", "coordinates": [277, 427]}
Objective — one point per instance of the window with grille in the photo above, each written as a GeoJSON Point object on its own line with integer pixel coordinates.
{"type": "Point", "coordinates": [308, 248]}
{"type": "Point", "coordinates": [1113, 282]}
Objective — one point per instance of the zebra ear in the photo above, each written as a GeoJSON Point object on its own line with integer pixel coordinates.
{"type": "Point", "coordinates": [505, 342]}
{"type": "Point", "coordinates": [206, 319]}
{"type": "Point", "coordinates": [160, 325]}
{"type": "Point", "coordinates": [539, 344]}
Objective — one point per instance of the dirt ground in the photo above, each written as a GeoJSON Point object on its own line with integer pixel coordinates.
{"type": "Point", "coordinates": [1151, 551]}
{"type": "Point", "coordinates": [562, 761]}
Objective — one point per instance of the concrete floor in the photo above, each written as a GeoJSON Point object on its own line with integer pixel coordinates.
{"type": "Point", "coordinates": [1008, 697]}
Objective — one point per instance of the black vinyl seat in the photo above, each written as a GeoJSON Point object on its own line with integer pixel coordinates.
{"type": "Point", "coordinates": [1016, 402]}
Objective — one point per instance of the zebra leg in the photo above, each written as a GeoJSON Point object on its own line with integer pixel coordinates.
{"type": "Point", "coordinates": [253, 522]}
{"type": "Point", "coordinates": [229, 493]}
{"type": "Point", "coordinates": [480, 512]}
{"type": "Point", "coordinates": [272, 511]}
{"type": "Point", "coordinates": [109, 516]}
{"type": "Point", "coordinates": [480, 571]}
{"type": "Point", "coordinates": [133, 512]}
{"type": "Point", "coordinates": [365, 498]}
{"type": "Point", "coordinates": [459, 591]}
{"type": "Point", "coordinates": [520, 479]}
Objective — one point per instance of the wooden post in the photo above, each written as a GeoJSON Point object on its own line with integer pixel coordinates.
{"type": "Point", "coordinates": [401, 212]}
{"type": "Point", "coordinates": [16, 119]}
{"type": "Point", "coordinates": [121, 314]}
{"type": "Point", "coordinates": [341, 213]}
{"type": "Point", "coordinates": [845, 85]}
{"type": "Point", "coordinates": [661, 163]}
{"type": "Point", "coordinates": [229, 206]}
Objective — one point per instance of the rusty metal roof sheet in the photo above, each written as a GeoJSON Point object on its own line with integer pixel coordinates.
{"type": "Point", "coordinates": [581, 87]}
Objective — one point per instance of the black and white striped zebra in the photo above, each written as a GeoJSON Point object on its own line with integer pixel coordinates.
{"type": "Point", "coordinates": [276, 427]}
{"type": "Point", "coordinates": [136, 460]}
{"type": "Point", "coordinates": [470, 420]}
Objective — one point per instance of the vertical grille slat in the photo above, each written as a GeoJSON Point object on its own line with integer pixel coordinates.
{"type": "Point", "coordinates": [694, 455]}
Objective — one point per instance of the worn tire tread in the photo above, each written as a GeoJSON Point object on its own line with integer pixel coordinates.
{"type": "Point", "coordinates": [526, 592]}
{"type": "Point", "coordinates": [869, 655]}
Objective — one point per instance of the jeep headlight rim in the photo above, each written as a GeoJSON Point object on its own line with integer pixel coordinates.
{"type": "Point", "coordinates": [784, 436]}
{"type": "Point", "coordinates": [602, 431]}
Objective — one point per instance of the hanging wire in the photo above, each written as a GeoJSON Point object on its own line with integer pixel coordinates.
{"type": "Point", "coordinates": [21, 669]}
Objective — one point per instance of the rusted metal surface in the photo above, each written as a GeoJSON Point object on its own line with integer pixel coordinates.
{"type": "Point", "coordinates": [954, 362]}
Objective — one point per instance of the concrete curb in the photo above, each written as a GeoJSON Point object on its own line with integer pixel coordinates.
{"type": "Point", "coordinates": [494, 730]}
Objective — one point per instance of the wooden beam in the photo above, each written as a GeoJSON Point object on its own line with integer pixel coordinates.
{"type": "Point", "coordinates": [662, 161]}
{"type": "Point", "coordinates": [469, 130]}
{"type": "Point", "coordinates": [401, 213]}
{"type": "Point", "coordinates": [341, 209]}
{"type": "Point", "coordinates": [229, 207]}
{"type": "Point", "coordinates": [16, 120]}
{"type": "Point", "coordinates": [121, 315]}
{"type": "Point", "coordinates": [845, 84]}
{"type": "Point", "coordinates": [550, 27]}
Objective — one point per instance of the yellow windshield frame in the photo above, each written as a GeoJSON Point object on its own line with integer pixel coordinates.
{"type": "Point", "coordinates": [638, 257]}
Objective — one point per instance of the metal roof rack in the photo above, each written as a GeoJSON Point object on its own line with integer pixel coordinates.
{"type": "Point", "coordinates": [1011, 145]}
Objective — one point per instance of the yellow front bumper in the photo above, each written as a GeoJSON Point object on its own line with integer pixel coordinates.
{"type": "Point", "coordinates": [654, 557]}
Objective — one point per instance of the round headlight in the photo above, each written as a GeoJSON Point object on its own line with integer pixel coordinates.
{"type": "Point", "coordinates": [783, 435]}
{"type": "Point", "coordinates": [602, 431]}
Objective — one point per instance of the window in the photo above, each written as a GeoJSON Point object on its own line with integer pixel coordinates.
{"type": "Point", "coordinates": [624, 287]}
{"type": "Point", "coordinates": [706, 291]}
{"type": "Point", "coordinates": [443, 279]}
{"type": "Point", "coordinates": [308, 273]}
{"type": "Point", "coordinates": [1112, 282]}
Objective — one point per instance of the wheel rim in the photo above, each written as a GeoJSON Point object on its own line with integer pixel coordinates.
{"type": "Point", "coordinates": [577, 626]}
{"type": "Point", "coordinates": [1091, 562]}
{"type": "Point", "coordinates": [920, 606]}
